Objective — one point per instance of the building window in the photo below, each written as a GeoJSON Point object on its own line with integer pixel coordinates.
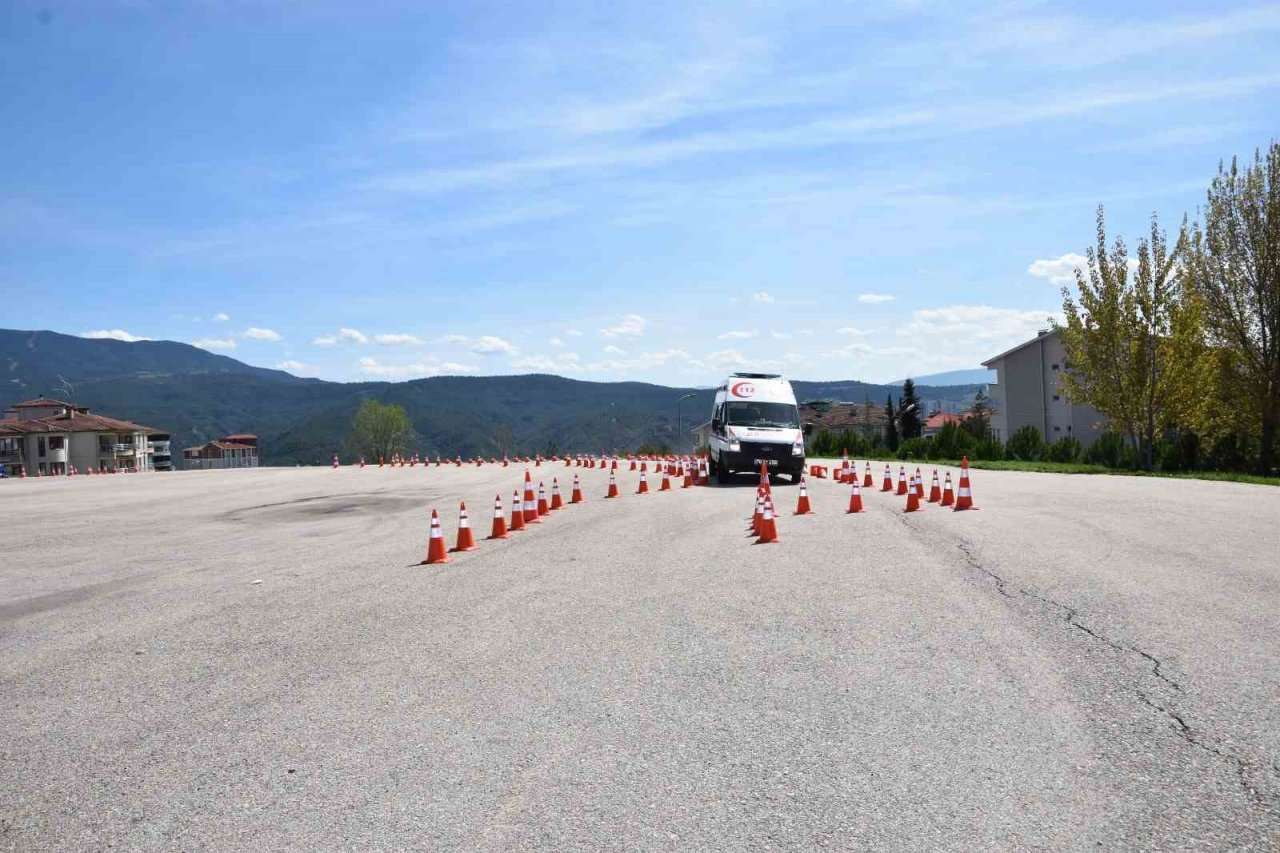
{"type": "Point", "coordinates": [55, 442]}
{"type": "Point", "coordinates": [1055, 367]}
{"type": "Point", "coordinates": [40, 445]}
{"type": "Point", "coordinates": [1057, 429]}
{"type": "Point", "coordinates": [1056, 397]}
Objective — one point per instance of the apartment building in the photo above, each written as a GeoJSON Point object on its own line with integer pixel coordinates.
{"type": "Point", "coordinates": [46, 437]}
{"type": "Point", "coordinates": [232, 451]}
{"type": "Point", "coordinates": [1028, 391]}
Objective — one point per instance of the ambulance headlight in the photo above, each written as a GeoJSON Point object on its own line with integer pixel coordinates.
{"type": "Point", "coordinates": [735, 446]}
{"type": "Point", "coordinates": [797, 449]}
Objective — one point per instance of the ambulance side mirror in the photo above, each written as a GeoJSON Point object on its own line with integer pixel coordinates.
{"type": "Point", "coordinates": [807, 428]}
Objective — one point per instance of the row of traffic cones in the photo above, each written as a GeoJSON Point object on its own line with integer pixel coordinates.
{"type": "Point", "coordinates": [912, 487]}
{"type": "Point", "coordinates": [528, 509]}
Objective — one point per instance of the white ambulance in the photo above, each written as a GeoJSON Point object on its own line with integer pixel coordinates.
{"type": "Point", "coordinates": [755, 421]}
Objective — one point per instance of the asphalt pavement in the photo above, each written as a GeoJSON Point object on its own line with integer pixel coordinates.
{"type": "Point", "coordinates": [255, 660]}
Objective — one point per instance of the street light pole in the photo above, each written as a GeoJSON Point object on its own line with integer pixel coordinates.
{"type": "Point", "coordinates": [680, 418]}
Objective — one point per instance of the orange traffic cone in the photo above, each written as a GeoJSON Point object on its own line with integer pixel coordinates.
{"type": "Point", "coordinates": [613, 487]}
{"type": "Point", "coordinates": [935, 491]}
{"type": "Point", "coordinates": [466, 540]}
{"type": "Point", "coordinates": [964, 495]}
{"type": "Point", "coordinates": [855, 497]}
{"type": "Point", "coordinates": [902, 479]}
{"type": "Point", "coordinates": [575, 497]}
{"type": "Point", "coordinates": [380, 461]}
{"type": "Point", "coordinates": [633, 463]}
{"type": "Point", "coordinates": [335, 460]}
{"type": "Point", "coordinates": [544, 508]}
{"type": "Point", "coordinates": [517, 511]}
{"type": "Point", "coordinates": [643, 488]}
{"type": "Point", "coordinates": [557, 502]}
{"type": "Point", "coordinates": [764, 478]}
{"type": "Point", "coordinates": [361, 461]}
{"type": "Point", "coordinates": [768, 526]}
{"type": "Point", "coordinates": [687, 472]}
{"type": "Point", "coordinates": [948, 496]}
{"type": "Point", "coordinates": [867, 482]}
{"type": "Point", "coordinates": [435, 545]}
{"type": "Point", "coordinates": [758, 515]}
{"type": "Point", "coordinates": [666, 479]}
{"type": "Point", "coordinates": [802, 504]}
{"type": "Point", "coordinates": [919, 481]}
{"type": "Point", "coordinates": [530, 502]}
{"type": "Point", "coordinates": [499, 520]}
{"type": "Point", "coordinates": [913, 500]}
{"type": "Point", "coordinates": [887, 485]}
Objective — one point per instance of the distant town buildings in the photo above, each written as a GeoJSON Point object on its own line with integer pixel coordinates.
{"type": "Point", "coordinates": [232, 451]}
{"type": "Point", "coordinates": [937, 421]}
{"type": "Point", "coordinates": [1028, 391]}
{"type": "Point", "coordinates": [864, 419]}
{"type": "Point", "coordinates": [46, 436]}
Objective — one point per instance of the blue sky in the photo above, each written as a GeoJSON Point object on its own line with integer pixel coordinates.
{"type": "Point", "coordinates": [648, 190]}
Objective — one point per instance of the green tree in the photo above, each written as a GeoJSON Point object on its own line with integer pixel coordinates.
{"type": "Point", "coordinates": [1026, 445]}
{"type": "Point", "coordinates": [909, 422]}
{"type": "Point", "coordinates": [978, 422]}
{"type": "Point", "coordinates": [1134, 345]}
{"type": "Point", "coordinates": [380, 431]}
{"type": "Point", "coordinates": [891, 425]}
{"type": "Point", "coordinates": [1235, 268]}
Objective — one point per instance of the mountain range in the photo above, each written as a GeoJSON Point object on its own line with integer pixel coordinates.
{"type": "Point", "coordinates": [196, 396]}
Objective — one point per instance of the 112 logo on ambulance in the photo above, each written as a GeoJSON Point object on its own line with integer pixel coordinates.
{"type": "Point", "coordinates": [742, 389]}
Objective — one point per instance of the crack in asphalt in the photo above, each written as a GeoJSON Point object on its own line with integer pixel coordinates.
{"type": "Point", "coordinates": [1184, 730]}
{"type": "Point", "coordinates": [1242, 765]}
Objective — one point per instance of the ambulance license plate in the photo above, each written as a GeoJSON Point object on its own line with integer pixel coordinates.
{"type": "Point", "coordinates": [773, 462]}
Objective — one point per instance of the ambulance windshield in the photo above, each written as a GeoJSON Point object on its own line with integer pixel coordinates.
{"type": "Point", "coordinates": [782, 415]}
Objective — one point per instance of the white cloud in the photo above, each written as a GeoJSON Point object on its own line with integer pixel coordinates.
{"type": "Point", "coordinates": [373, 367]}
{"type": "Point", "coordinates": [988, 328]}
{"type": "Point", "coordinates": [851, 332]}
{"type": "Point", "coordinates": [113, 335]}
{"type": "Point", "coordinates": [215, 343]}
{"type": "Point", "coordinates": [564, 362]}
{"type": "Point", "coordinates": [254, 333]}
{"type": "Point", "coordinates": [632, 325]}
{"type": "Point", "coordinates": [780, 336]}
{"type": "Point", "coordinates": [290, 364]}
{"type": "Point", "coordinates": [454, 339]}
{"type": "Point", "coordinates": [353, 335]}
{"type": "Point", "coordinates": [397, 339]}
{"type": "Point", "coordinates": [761, 296]}
{"type": "Point", "coordinates": [1059, 270]}
{"type": "Point", "coordinates": [874, 298]}
{"type": "Point", "coordinates": [221, 317]}
{"type": "Point", "coordinates": [344, 335]}
{"type": "Point", "coordinates": [737, 335]}
{"type": "Point", "coordinates": [488, 344]}
{"type": "Point", "coordinates": [573, 333]}
{"type": "Point", "coordinates": [556, 342]}
{"type": "Point", "coordinates": [612, 350]}
{"type": "Point", "coordinates": [726, 358]}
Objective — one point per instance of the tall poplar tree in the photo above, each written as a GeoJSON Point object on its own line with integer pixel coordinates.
{"type": "Point", "coordinates": [891, 426]}
{"type": "Point", "coordinates": [1134, 342]}
{"type": "Point", "coordinates": [1235, 268]}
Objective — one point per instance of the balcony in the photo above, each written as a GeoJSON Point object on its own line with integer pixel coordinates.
{"type": "Point", "coordinates": [125, 450]}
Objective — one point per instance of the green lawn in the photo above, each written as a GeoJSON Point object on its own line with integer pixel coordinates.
{"type": "Point", "coordinates": [1081, 468]}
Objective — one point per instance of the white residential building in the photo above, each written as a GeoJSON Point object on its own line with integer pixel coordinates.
{"type": "Point", "coordinates": [44, 437]}
{"type": "Point", "coordinates": [1028, 391]}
